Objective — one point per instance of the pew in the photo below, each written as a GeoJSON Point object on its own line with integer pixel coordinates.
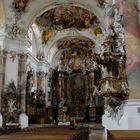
{"type": "Point", "coordinates": [48, 133]}
{"type": "Point", "coordinates": [123, 134]}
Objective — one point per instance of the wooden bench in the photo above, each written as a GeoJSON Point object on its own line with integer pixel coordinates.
{"type": "Point", "coordinates": [44, 134]}
{"type": "Point", "coordinates": [123, 134]}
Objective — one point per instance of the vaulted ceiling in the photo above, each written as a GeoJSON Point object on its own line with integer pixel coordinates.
{"type": "Point", "coordinates": [53, 17]}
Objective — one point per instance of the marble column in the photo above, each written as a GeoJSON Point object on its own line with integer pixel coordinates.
{"type": "Point", "coordinates": [1, 75]}
{"type": "Point", "coordinates": [91, 82]}
{"type": "Point", "coordinates": [2, 72]}
{"type": "Point", "coordinates": [61, 85]}
{"type": "Point", "coordinates": [47, 89]}
{"type": "Point", "coordinates": [68, 86]}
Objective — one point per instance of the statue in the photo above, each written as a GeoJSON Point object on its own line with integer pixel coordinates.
{"type": "Point", "coordinates": [104, 71]}
{"type": "Point", "coordinates": [72, 123]}
{"type": "Point", "coordinates": [64, 117]}
{"type": "Point", "coordinates": [60, 65]}
{"type": "Point", "coordinates": [11, 105]}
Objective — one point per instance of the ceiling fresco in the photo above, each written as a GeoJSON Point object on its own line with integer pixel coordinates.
{"type": "Point", "coordinates": [64, 17]}
{"type": "Point", "coordinates": [132, 31]}
{"type": "Point", "coordinates": [132, 39]}
{"type": "Point", "coordinates": [75, 43]}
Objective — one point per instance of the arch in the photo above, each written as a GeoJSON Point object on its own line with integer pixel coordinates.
{"type": "Point", "coordinates": [52, 52]}
{"type": "Point", "coordinates": [70, 33]}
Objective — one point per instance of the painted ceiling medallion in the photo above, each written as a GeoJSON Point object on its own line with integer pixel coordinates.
{"type": "Point", "coordinates": [64, 17]}
{"type": "Point", "coordinates": [75, 43]}
{"type": "Point", "coordinates": [20, 5]}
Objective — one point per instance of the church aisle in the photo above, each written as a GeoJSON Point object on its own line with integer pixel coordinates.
{"type": "Point", "coordinates": [96, 135]}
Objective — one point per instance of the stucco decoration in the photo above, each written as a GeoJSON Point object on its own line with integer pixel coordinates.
{"type": "Point", "coordinates": [64, 17]}
{"type": "Point", "coordinates": [14, 31]}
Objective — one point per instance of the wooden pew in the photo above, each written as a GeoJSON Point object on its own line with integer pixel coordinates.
{"type": "Point", "coordinates": [42, 134]}
{"type": "Point", "coordinates": [123, 134]}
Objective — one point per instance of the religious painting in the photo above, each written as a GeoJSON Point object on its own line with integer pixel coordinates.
{"type": "Point", "coordinates": [77, 94]}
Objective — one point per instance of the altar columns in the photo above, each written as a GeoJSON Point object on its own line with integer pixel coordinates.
{"type": "Point", "coordinates": [91, 82]}
{"type": "Point", "coordinates": [47, 90]}
{"type": "Point", "coordinates": [61, 85]}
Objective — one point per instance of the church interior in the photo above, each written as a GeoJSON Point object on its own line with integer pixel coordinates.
{"type": "Point", "coordinates": [69, 69]}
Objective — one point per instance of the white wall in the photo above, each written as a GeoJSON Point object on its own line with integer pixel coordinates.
{"type": "Point", "coordinates": [129, 121]}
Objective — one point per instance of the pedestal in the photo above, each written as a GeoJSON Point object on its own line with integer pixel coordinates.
{"type": "Point", "coordinates": [130, 119]}
{"type": "Point", "coordinates": [23, 120]}
{"type": "Point", "coordinates": [0, 120]}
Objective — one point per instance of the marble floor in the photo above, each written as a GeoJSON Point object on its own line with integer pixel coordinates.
{"type": "Point", "coordinates": [96, 135]}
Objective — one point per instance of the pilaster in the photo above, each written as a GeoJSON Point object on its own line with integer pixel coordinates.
{"type": "Point", "coordinates": [22, 59]}
{"type": "Point", "coordinates": [2, 68]}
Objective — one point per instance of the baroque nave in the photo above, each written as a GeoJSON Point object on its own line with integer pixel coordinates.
{"type": "Point", "coordinates": [69, 69]}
